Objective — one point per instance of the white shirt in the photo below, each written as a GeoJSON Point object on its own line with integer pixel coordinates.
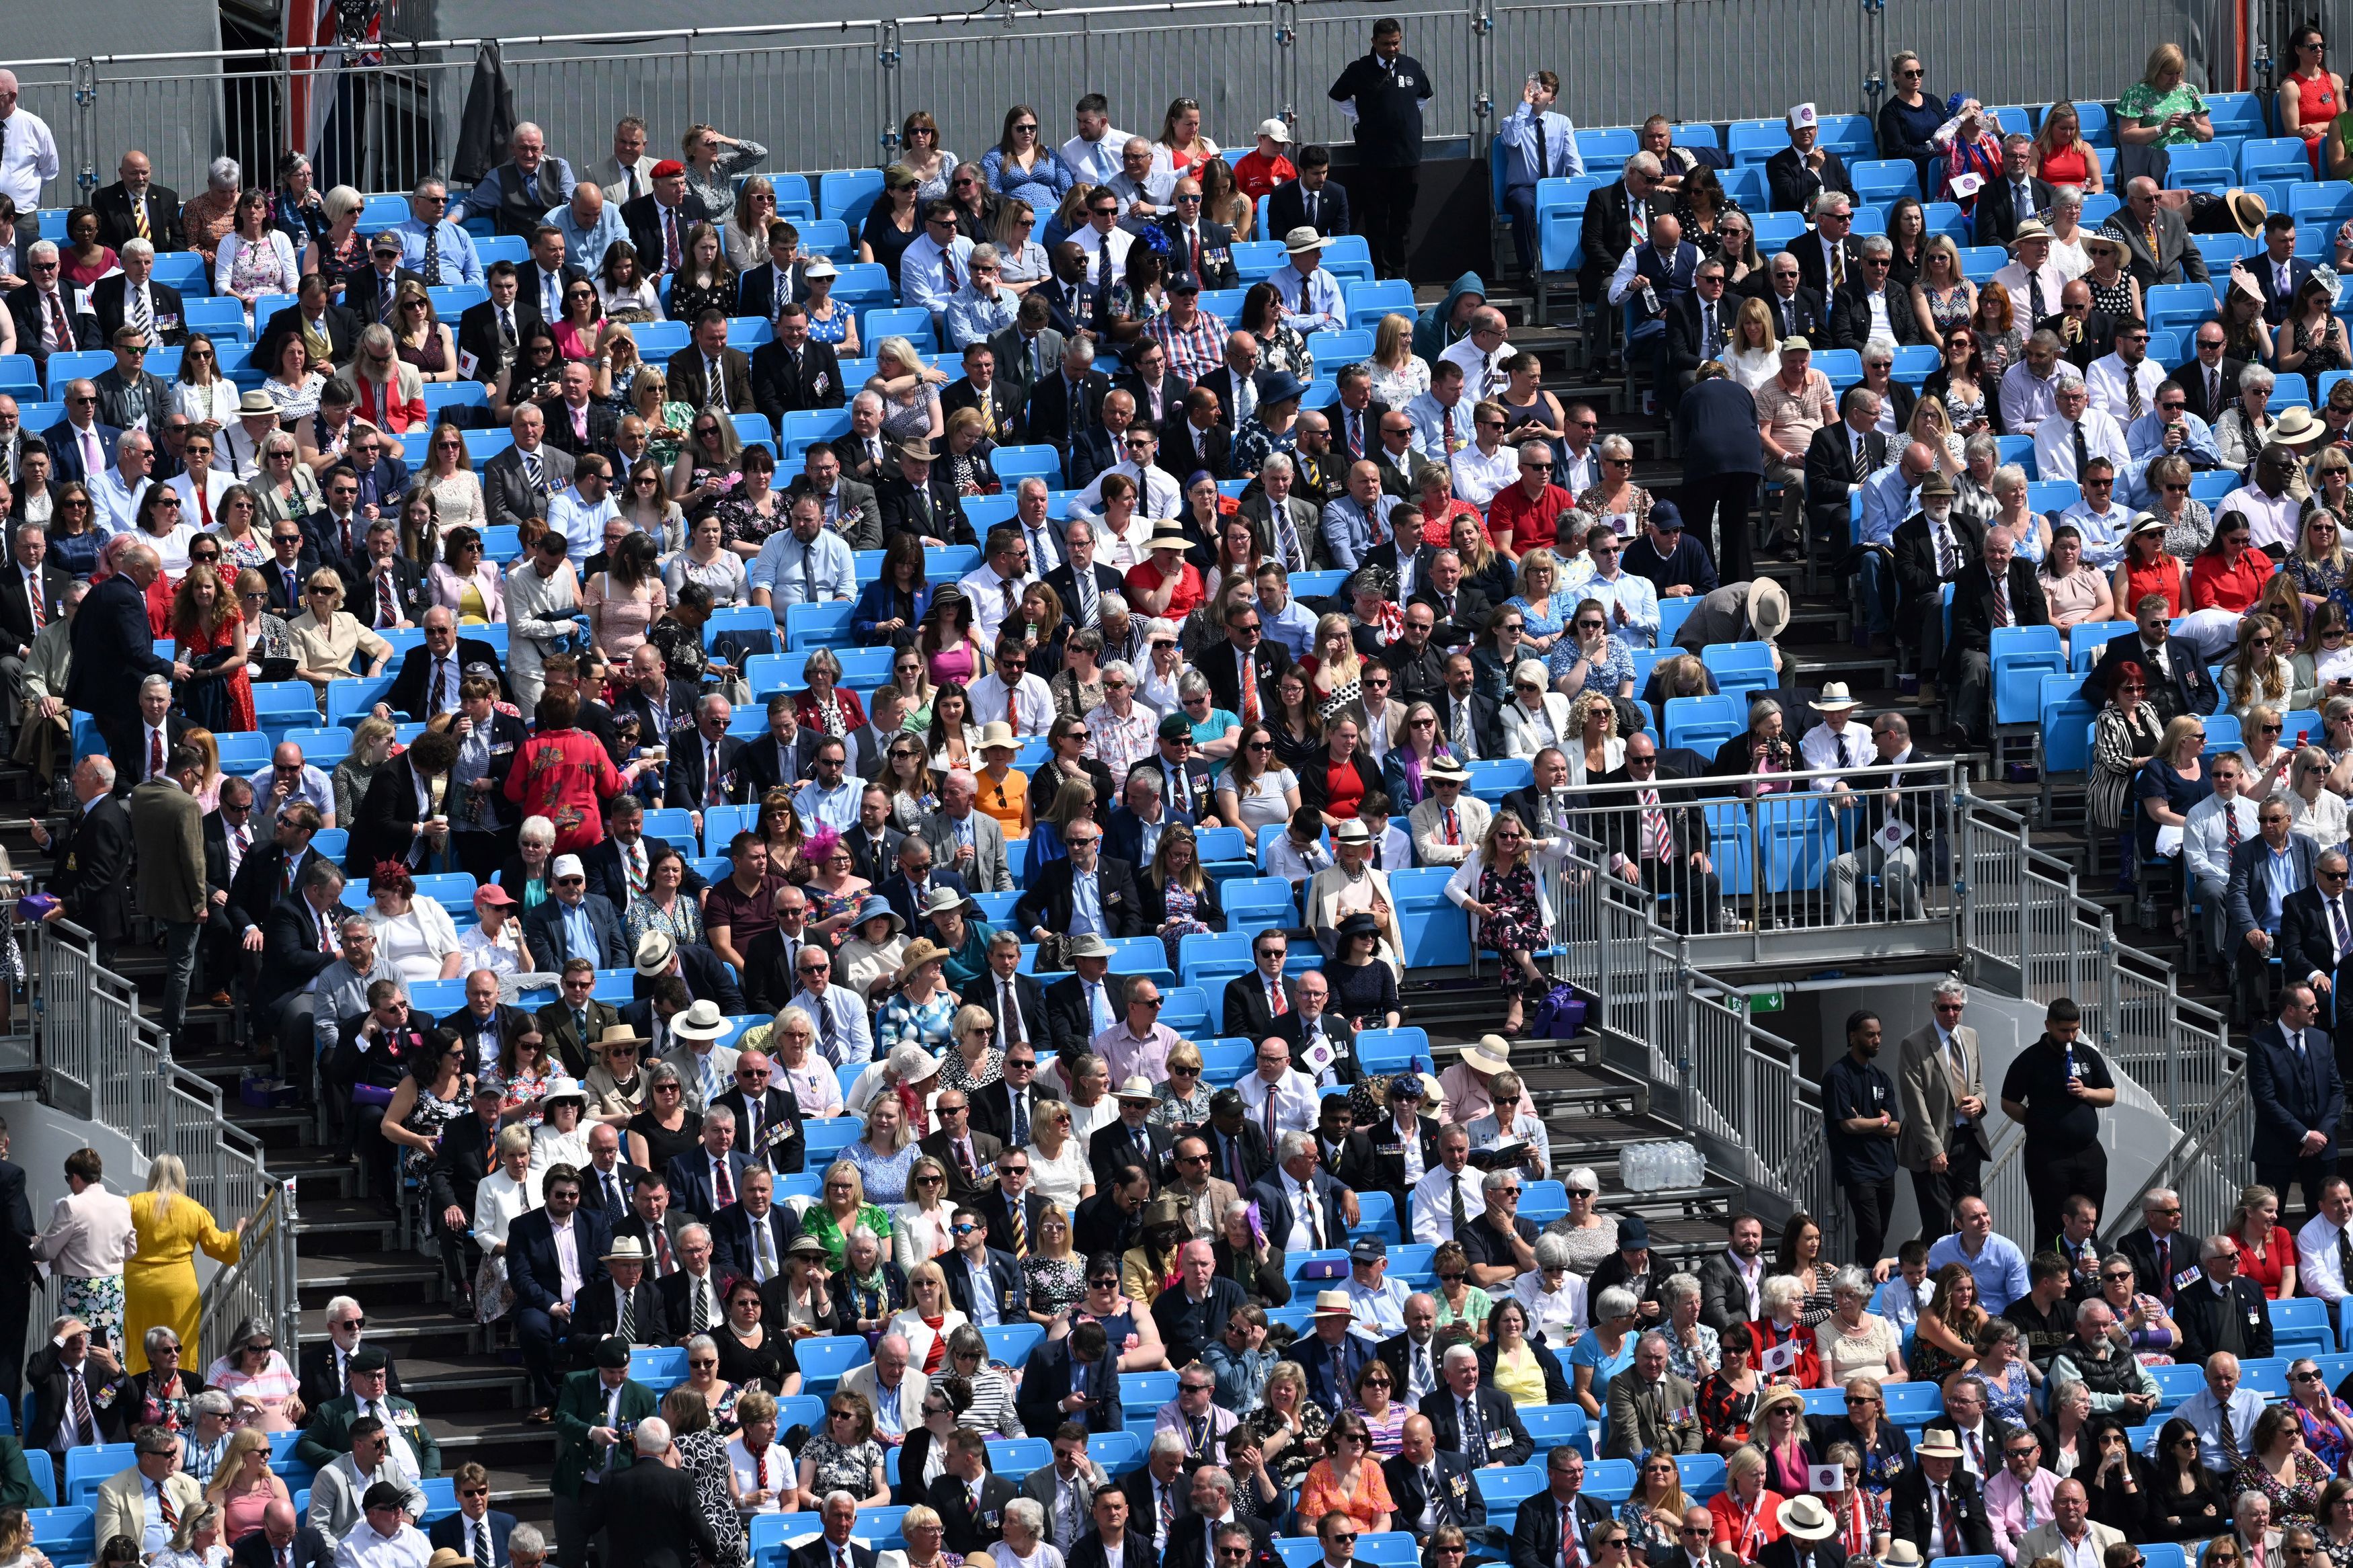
{"type": "Point", "coordinates": [1294, 1100]}
{"type": "Point", "coordinates": [116, 504]}
{"type": "Point", "coordinates": [1162, 496]}
{"type": "Point", "coordinates": [1303, 1214]}
{"type": "Point", "coordinates": [1432, 1203]}
{"type": "Point", "coordinates": [2205, 834]}
{"type": "Point", "coordinates": [2109, 378]}
{"type": "Point", "coordinates": [363, 1548]}
{"type": "Point", "coordinates": [1480, 477]}
{"type": "Point", "coordinates": [2317, 1272]}
{"type": "Point", "coordinates": [747, 1467]}
{"type": "Point", "coordinates": [28, 158]}
{"type": "Point", "coordinates": [2269, 520]}
{"type": "Point", "coordinates": [2054, 444]}
{"type": "Point", "coordinates": [571, 514]}
{"type": "Point", "coordinates": [1849, 746]}
{"type": "Point", "coordinates": [985, 590]}
{"type": "Point", "coordinates": [1096, 161]}
{"type": "Point", "coordinates": [567, 1257]}
{"type": "Point", "coordinates": [1483, 373]}
{"type": "Point", "coordinates": [1028, 706]}
{"type": "Point", "coordinates": [777, 568]}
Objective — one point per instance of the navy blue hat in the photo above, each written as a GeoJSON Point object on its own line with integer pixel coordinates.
{"type": "Point", "coordinates": [1664, 514]}
{"type": "Point", "coordinates": [1633, 1234]}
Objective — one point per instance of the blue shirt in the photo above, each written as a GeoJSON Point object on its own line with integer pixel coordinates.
{"type": "Point", "coordinates": [1349, 534]}
{"type": "Point", "coordinates": [1888, 498]}
{"type": "Point", "coordinates": [579, 936]}
{"type": "Point", "coordinates": [1588, 1352]}
{"type": "Point", "coordinates": [456, 251]}
{"type": "Point", "coordinates": [975, 317]}
{"type": "Point", "coordinates": [1086, 902]}
{"type": "Point", "coordinates": [2276, 887]}
{"type": "Point", "coordinates": [777, 568]}
{"type": "Point", "coordinates": [1519, 133]}
{"type": "Point", "coordinates": [1999, 1268]}
{"type": "Point", "coordinates": [1311, 304]}
{"type": "Point", "coordinates": [586, 247]}
{"type": "Point", "coordinates": [837, 807]}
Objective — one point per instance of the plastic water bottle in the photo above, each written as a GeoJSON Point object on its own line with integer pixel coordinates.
{"type": "Point", "coordinates": [1695, 1166]}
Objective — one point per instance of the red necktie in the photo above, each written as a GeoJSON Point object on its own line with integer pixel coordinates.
{"type": "Point", "coordinates": [721, 1185]}
{"type": "Point", "coordinates": [1453, 832]}
{"type": "Point", "coordinates": [948, 271]}
{"type": "Point", "coordinates": [1952, 1526]}
{"type": "Point", "coordinates": [155, 753]}
{"type": "Point", "coordinates": [669, 239]}
{"type": "Point", "coordinates": [33, 596]}
{"type": "Point", "coordinates": [1280, 1003]}
{"type": "Point", "coordinates": [57, 322]}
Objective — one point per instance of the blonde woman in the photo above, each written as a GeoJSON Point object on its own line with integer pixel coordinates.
{"type": "Point", "coordinates": [158, 1282]}
{"type": "Point", "coordinates": [744, 235]}
{"type": "Point", "coordinates": [449, 479]}
{"type": "Point", "coordinates": [242, 1486]}
{"type": "Point", "coordinates": [1932, 428]}
{"type": "Point", "coordinates": [2259, 672]}
{"type": "Point", "coordinates": [2318, 812]}
{"type": "Point", "coordinates": [1754, 356]}
{"type": "Point", "coordinates": [920, 1226]}
{"type": "Point", "coordinates": [1335, 673]}
{"type": "Point", "coordinates": [1400, 375]}
{"type": "Point", "coordinates": [1942, 298]}
{"type": "Point", "coordinates": [1498, 887]}
{"type": "Point", "coordinates": [510, 1189]}
{"type": "Point", "coordinates": [1059, 1170]}
{"type": "Point", "coordinates": [287, 489]}
{"type": "Point", "coordinates": [327, 639]}
{"type": "Point", "coordinates": [1538, 574]}
{"type": "Point", "coordinates": [928, 1318]}
{"type": "Point", "coordinates": [909, 391]}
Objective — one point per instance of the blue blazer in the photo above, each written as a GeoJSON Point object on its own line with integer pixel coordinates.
{"type": "Point", "coordinates": [731, 1238]}
{"type": "Point", "coordinates": [543, 928]}
{"type": "Point", "coordinates": [455, 1532]}
{"type": "Point", "coordinates": [65, 452]}
{"type": "Point", "coordinates": [533, 1266]}
{"type": "Point", "coordinates": [1331, 1370]}
{"type": "Point", "coordinates": [2293, 1097]}
{"type": "Point", "coordinates": [876, 604]}
{"type": "Point", "coordinates": [901, 896]}
{"type": "Point", "coordinates": [1123, 834]}
{"type": "Point", "coordinates": [1004, 1283]}
{"type": "Point", "coordinates": [1047, 1381]}
{"type": "Point", "coordinates": [688, 1175]}
{"type": "Point", "coordinates": [2250, 875]}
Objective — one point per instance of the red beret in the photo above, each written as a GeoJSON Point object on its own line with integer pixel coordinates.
{"type": "Point", "coordinates": [667, 167]}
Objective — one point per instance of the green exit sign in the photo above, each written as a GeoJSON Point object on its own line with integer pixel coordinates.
{"type": "Point", "coordinates": [1770, 1001]}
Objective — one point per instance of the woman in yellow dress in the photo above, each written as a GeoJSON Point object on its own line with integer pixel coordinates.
{"type": "Point", "coordinates": [159, 1284]}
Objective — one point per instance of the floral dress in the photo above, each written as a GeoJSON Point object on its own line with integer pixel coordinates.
{"type": "Point", "coordinates": [704, 1456]}
{"type": "Point", "coordinates": [930, 1024]}
{"type": "Point", "coordinates": [1173, 1109]}
{"type": "Point", "coordinates": [1645, 1532]}
{"type": "Point", "coordinates": [1544, 623]}
{"type": "Point", "coordinates": [2326, 1443]}
{"type": "Point", "coordinates": [1056, 1284]}
{"type": "Point", "coordinates": [2298, 1502]}
{"type": "Point", "coordinates": [958, 1074]}
{"type": "Point", "coordinates": [1289, 1468]}
{"type": "Point", "coordinates": [849, 1470]}
{"type": "Point", "coordinates": [2143, 102]}
{"type": "Point", "coordinates": [519, 1095]}
{"type": "Point", "coordinates": [1686, 1360]}
{"type": "Point", "coordinates": [1517, 925]}
{"type": "Point", "coordinates": [431, 1115]}
{"type": "Point", "coordinates": [2318, 346]}
{"type": "Point", "coordinates": [1282, 348]}
{"type": "Point", "coordinates": [831, 328]}
{"type": "Point", "coordinates": [1948, 310]}
{"type": "Point", "coordinates": [1180, 901]}
{"type": "Point", "coordinates": [1254, 442]}
{"type": "Point", "coordinates": [741, 522]}
{"type": "Point", "coordinates": [682, 923]}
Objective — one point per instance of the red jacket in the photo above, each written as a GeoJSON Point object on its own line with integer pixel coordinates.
{"type": "Point", "coordinates": [565, 777]}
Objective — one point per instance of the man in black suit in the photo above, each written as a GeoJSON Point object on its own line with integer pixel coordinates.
{"type": "Point", "coordinates": [1429, 1486]}
{"type": "Point", "coordinates": [1241, 369]}
{"type": "Point", "coordinates": [2298, 1090]}
{"type": "Point", "coordinates": [2209, 378]}
{"type": "Point", "coordinates": [426, 682]}
{"type": "Point", "coordinates": [790, 373]}
{"type": "Point", "coordinates": [1079, 555]}
{"type": "Point", "coordinates": [998, 399]}
{"type": "Point", "coordinates": [370, 293]}
{"type": "Point", "coordinates": [1251, 1000]}
{"type": "Point", "coordinates": [285, 1541]}
{"type": "Point", "coordinates": [977, 1271]}
{"type": "Point", "coordinates": [1614, 214]}
{"type": "Point", "coordinates": [1699, 324]}
{"type": "Point", "coordinates": [32, 596]}
{"type": "Point", "coordinates": [577, 422]}
{"type": "Point", "coordinates": [2276, 272]}
{"type": "Point", "coordinates": [1804, 169]}
{"type": "Point", "coordinates": [1011, 1196]}
{"type": "Point", "coordinates": [1797, 310]}
{"type": "Point", "coordinates": [689, 779]}
{"type": "Point", "coordinates": [1083, 1004]}
{"type": "Point", "coordinates": [385, 589]}
{"type": "Point", "coordinates": [2178, 681]}
{"type": "Point", "coordinates": [1028, 351]}
{"type": "Point", "coordinates": [653, 1514]}
{"type": "Point", "coordinates": [699, 370]}
{"type": "Point", "coordinates": [323, 1371]}
{"type": "Point", "coordinates": [1069, 401]}
{"type": "Point", "coordinates": [969, 1156]}
{"type": "Point", "coordinates": [113, 656]}
{"type": "Point", "coordinates": [1239, 1149]}
{"type": "Point", "coordinates": [1198, 436]}
{"type": "Point", "coordinates": [89, 857]}
{"type": "Point", "coordinates": [546, 276]}
{"type": "Point", "coordinates": [921, 498]}
{"type": "Point", "coordinates": [132, 298]}
{"type": "Point", "coordinates": [1854, 320]}
{"type": "Point", "coordinates": [786, 757]}
{"type": "Point", "coordinates": [1839, 457]}
{"type": "Point", "coordinates": [1979, 606]}
{"type": "Point", "coordinates": [969, 1499]}
{"type": "Point", "coordinates": [490, 333]}
{"type": "Point", "coordinates": [1126, 1140]}
{"type": "Point", "coordinates": [1052, 902]}
{"type": "Point", "coordinates": [543, 1311]}
{"type": "Point", "coordinates": [658, 221]}
{"type": "Point", "coordinates": [749, 1235]}
{"type": "Point", "coordinates": [1198, 249]}
{"type": "Point", "coordinates": [1828, 255]}
{"type": "Point", "coordinates": [1687, 875]}
{"type": "Point", "coordinates": [598, 1310]}
{"type": "Point", "coordinates": [832, 1546]}
{"type": "Point", "coordinates": [1932, 547]}
{"type": "Point", "coordinates": [314, 309]}
{"type": "Point", "coordinates": [763, 290]}
{"type": "Point", "coordinates": [1244, 655]}
{"type": "Point", "coordinates": [1017, 1004]}
{"type": "Point", "coordinates": [1312, 1022]}
{"type": "Point", "coordinates": [135, 207]}
{"type": "Point", "coordinates": [2222, 1309]}
{"type": "Point", "coordinates": [626, 836]}
{"type": "Point", "coordinates": [1158, 392]}
{"type": "Point", "coordinates": [1467, 719]}
{"type": "Point", "coordinates": [1471, 1419]}
{"type": "Point", "coordinates": [1192, 1541]}
{"type": "Point", "coordinates": [1536, 1529]}
{"type": "Point", "coordinates": [476, 1530]}
{"type": "Point", "coordinates": [1312, 201]}
{"type": "Point", "coordinates": [1956, 1495]}
{"type": "Point", "coordinates": [1345, 1151]}
{"type": "Point", "coordinates": [2010, 199]}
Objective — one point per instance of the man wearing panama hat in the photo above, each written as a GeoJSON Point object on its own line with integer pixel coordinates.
{"type": "Point", "coordinates": [1931, 548]}
{"type": "Point", "coordinates": [1937, 1503]}
{"type": "Point", "coordinates": [1810, 1537]}
{"type": "Point", "coordinates": [626, 1304]}
{"type": "Point", "coordinates": [1448, 825]}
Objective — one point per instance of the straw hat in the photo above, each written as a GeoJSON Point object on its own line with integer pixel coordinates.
{"type": "Point", "coordinates": [1493, 1054]}
{"type": "Point", "coordinates": [1806, 1519]}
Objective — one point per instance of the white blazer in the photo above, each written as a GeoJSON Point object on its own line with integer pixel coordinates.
{"type": "Point", "coordinates": [1525, 735]}
{"type": "Point", "coordinates": [920, 1334]}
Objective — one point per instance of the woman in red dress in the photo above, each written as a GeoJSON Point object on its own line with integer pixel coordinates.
{"type": "Point", "coordinates": [563, 775]}
{"type": "Point", "coordinates": [2311, 96]}
{"type": "Point", "coordinates": [2061, 156]}
{"type": "Point", "coordinates": [208, 635]}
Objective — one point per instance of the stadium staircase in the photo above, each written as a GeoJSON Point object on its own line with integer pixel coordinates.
{"type": "Point", "coordinates": [1699, 1066]}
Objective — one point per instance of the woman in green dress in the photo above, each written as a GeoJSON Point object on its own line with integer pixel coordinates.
{"type": "Point", "coordinates": [2161, 110]}
{"type": "Point", "coordinates": [841, 1209]}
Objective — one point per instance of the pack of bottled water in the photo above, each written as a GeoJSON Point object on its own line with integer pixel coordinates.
{"type": "Point", "coordinates": [1660, 1167]}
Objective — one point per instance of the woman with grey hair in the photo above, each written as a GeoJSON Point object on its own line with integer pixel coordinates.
{"type": "Point", "coordinates": [1694, 1350]}
{"type": "Point", "coordinates": [2241, 429]}
{"type": "Point", "coordinates": [1980, 461]}
{"type": "Point", "coordinates": [1852, 1339]}
{"type": "Point", "coordinates": [296, 210]}
{"type": "Point", "coordinates": [209, 215]}
{"type": "Point", "coordinates": [1604, 1350]}
{"type": "Point", "coordinates": [1763, 748]}
{"type": "Point", "coordinates": [1552, 1296]}
{"type": "Point", "coordinates": [1025, 1545]}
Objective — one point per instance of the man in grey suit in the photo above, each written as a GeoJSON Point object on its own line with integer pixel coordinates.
{"type": "Point", "coordinates": [2157, 246]}
{"type": "Point", "coordinates": [1940, 1076]}
{"type": "Point", "coordinates": [518, 481]}
{"type": "Point", "coordinates": [849, 508]}
{"type": "Point", "coordinates": [2267, 871]}
{"type": "Point", "coordinates": [967, 841]}
{"type": "Point", "coordinates": [1066, 1489]}
{"type": "Point", "coordinates": [1029, 350]}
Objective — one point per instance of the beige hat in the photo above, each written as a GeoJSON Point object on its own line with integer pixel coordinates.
{"type": "Point", "coordinates": [655, 950]}
{"type": "Point", "coordinates": [1090, 944]}
{"type": "Point", "coordinates": [1137, 1086]}
{"type": "Point", "coordinates": [1769, 609]}
{"type": "Point", "coordinates": [1303, 239]}
{"type": "Point", "coordinates": [1446, 770]}
{"type": "Point", "coordinates": [627, 1249]}
{"type": "Point", "coordinates": [1835, 699]}
{"type": "Point", "coordinates": [1938, 1445]}
{"type": "Point", "coordinates": [997, 733]}
{"type": "Point", "coordinates": [1493, 1054]}
{"type": "Point", "coordinates": [910, 1063]}
{"type": "Point", "coordinates": [1796, 343]}
{"type": "Point", "coordinates": [1329, 1303]}
{"type": "Point", "coordinates": [1168, 534]}
{"type": "Point", "coordinates": [1274, 130]}
{"type": "Point", "coordinates": [2297, 427]}
{"type": "Point", "coordinates": [1900, 1554]}
{"type": "Point", "coordinates": [919, 952]}
{"type": "Point", "coordinates": [256, 402]}
{"type": "Point", "coordinates": [1806, 1519]}
{"type": "Point", "coordinates": [2033, 228]}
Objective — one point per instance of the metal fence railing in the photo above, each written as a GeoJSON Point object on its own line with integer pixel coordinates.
{"type": "Point", "coordinates": [2024, 933]}
{"type": "Point", "coordinates": [832, 94]}
{"type": "Point", "coordinates": [103, 1060]}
